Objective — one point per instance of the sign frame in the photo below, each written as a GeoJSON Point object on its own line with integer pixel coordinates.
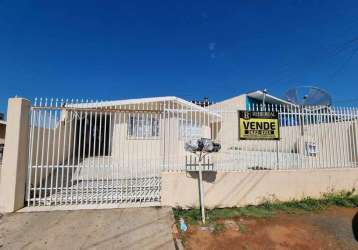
{"type": "Point", "coordinates": [268, 116]}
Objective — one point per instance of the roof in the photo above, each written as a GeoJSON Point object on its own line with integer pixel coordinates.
{"type": "Point", "coordinates": [259, 95]}
{"type": "Point", "coordinates": [3, 122]}
{"type": "Point", "coordinates": [141, 100]}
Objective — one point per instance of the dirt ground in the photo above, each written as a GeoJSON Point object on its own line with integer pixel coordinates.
{"type": "Point", "coordinates": [329, 229]}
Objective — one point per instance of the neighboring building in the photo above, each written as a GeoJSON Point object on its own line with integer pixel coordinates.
{"type": "Point", "coordinates": [2, 136]}
{"type": "Point", "coordinates": [203, 103]}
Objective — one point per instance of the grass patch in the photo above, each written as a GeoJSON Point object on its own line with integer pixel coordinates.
{"type": "Point", "coordinates": [242, 227]}
{"type": "Point", "coordinates": [218, 227]}
{"type": "Point", "coordinates": [270, 208]}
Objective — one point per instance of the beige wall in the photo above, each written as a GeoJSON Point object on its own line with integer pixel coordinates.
{"type": "Point", "coordinates": [14, 170]}
{"type": "Point", "coordinates": [231, 189]}
{"type": "Point", "coordinates": [166, 150]}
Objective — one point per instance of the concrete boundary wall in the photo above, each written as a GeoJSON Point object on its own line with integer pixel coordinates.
{"type": "Point", "coordinates": [232, 189]}
{"type": "Point", "coordinates": [14, 170]}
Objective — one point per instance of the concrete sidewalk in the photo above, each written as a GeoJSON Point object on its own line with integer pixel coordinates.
{"type": "Point", "coordinates": [132, 228]}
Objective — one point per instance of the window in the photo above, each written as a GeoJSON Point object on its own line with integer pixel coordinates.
{"type": "Point", "coordinates": [189, 130]}
{"type": "Point", "coordinates": [311, 149]}
{"type": "Point", "coordinates": [142, 126]}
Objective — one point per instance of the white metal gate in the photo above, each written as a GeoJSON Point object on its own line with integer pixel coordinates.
{"type": "Point", "coordinates": [84, 153]}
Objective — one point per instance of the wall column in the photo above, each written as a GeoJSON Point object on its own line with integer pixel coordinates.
{"type": "Point", "coordinates": [14, 170]}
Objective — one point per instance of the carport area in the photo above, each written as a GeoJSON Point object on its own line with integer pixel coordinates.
{"type": "Point", "coordinates": [132, 228]}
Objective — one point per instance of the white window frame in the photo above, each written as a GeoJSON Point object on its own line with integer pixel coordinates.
{"type": "Point", "coordinates": [188, 129]}
{"type": "Point", "coordinates": [143, 126]}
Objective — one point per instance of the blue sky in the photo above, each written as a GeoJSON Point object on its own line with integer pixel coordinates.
{"type": "Point", "coordinates": [191, 49]}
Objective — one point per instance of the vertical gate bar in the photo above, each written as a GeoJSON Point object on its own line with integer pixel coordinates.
{"type": "Point", "coordinates": [354, 110]}
{"type": "Point", "coordinates": [156, 162]}
{"type": "Point", "coordinates": [284, 161]}
{"type": "Point", "coordinates": [329, 125]}
{"type": "Point", "coordinates": [100, 166]}
{"type": "Point", "coordinates": [94, 167]}
{"type": "Point", "coordinates": [339, 130]}
{"type": "Point", "coordinates": [352, 135]}
{"type": "Point", "coordinates": [344, 136]}
{"type": "Point", "coordinates": [79, 155]}
{"type": "Point", "coordinates": [348, 134]}
{"type": "Point", "coordinates": [124, 171]}
{"type": "Point", "coordinates": [219, 120]}
{"type": "Point", "coordinates": [37, 151]}
{"type": "Point", "coordinates": [116, 156]}
{"type": "Point", "coordinates": [277, 142]}
{"type": "Point", "coordinates": [332, 129]}
{"type": "Point", "coordinates": [48, 153]}
{"type": "Point", "coordinates": [75, 117]}
{"type": "Point", "coordinates": [270, 162]}
{"type": "Point", "coordinates": [323, 162]}
{"type": "Point", "coordinates": [58, 152]}
{"type": "Point", "coordinates": [341, 126]}
{"type": "Point", "coordinates": [337, 146]}
{"type": "Point", "coordinates": [104, 158]}
{"type": "Point", "coordinates": [67, 151]}
{"type": "Point", "coordinates": [188, 133]}
{"type": "Point", "coordinates": [110, 155]}
{"type": "Point", "coordinates": [90, 168]}
{"type": "Point", "coordinates": [53, 170]}
{"type": "Point", "coordinates": [163, 135]}
{"type": "Point", "coordinates": [142, 149]}
{"type": "Point", "coordinates": [42, 148]}
{"type": "Point", "coordinates": [169, 137]}
{"type": "Point", "coordinates": [126, 148]}
{"type": "Point", "coordinates": [309, 136]}
{"type": "Point", "coordinates": [347, 137]}
{"type": "Point", "coordinates": [151, 154]}
{"type": "Point", "coordinates": [86, 165]}
{"type": "Point", "coordinates": [139, 137]}
{"type": "Point", "coordinates": [314, 135]}
{"type": "Point", "coordinates": [130, 122]}
{"type": "Point", "coordinates": [139, 124]}
{"type": "Point", "coordinates": [30, 167]}
{"type": "Point", "coordinates": [316, 129]}
{"type": "Point", "coordinates": [301, 117]}
{"type": "Point", "coordinates": [63, 168]}
{"type": "Point", "coordinates": [292, 135]}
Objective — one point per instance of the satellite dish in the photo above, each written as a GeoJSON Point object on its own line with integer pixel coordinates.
{"type": "Point", "coordinates": [308, 96]}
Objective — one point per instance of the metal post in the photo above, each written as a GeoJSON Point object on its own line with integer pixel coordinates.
{"type": "Point", "coordinates": [264, 99]}
{"type": "Point", "coordinates": [201, 190]}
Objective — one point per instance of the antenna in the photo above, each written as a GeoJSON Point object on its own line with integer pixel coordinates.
{"type": "Point", "coordinates": [308, 96]}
